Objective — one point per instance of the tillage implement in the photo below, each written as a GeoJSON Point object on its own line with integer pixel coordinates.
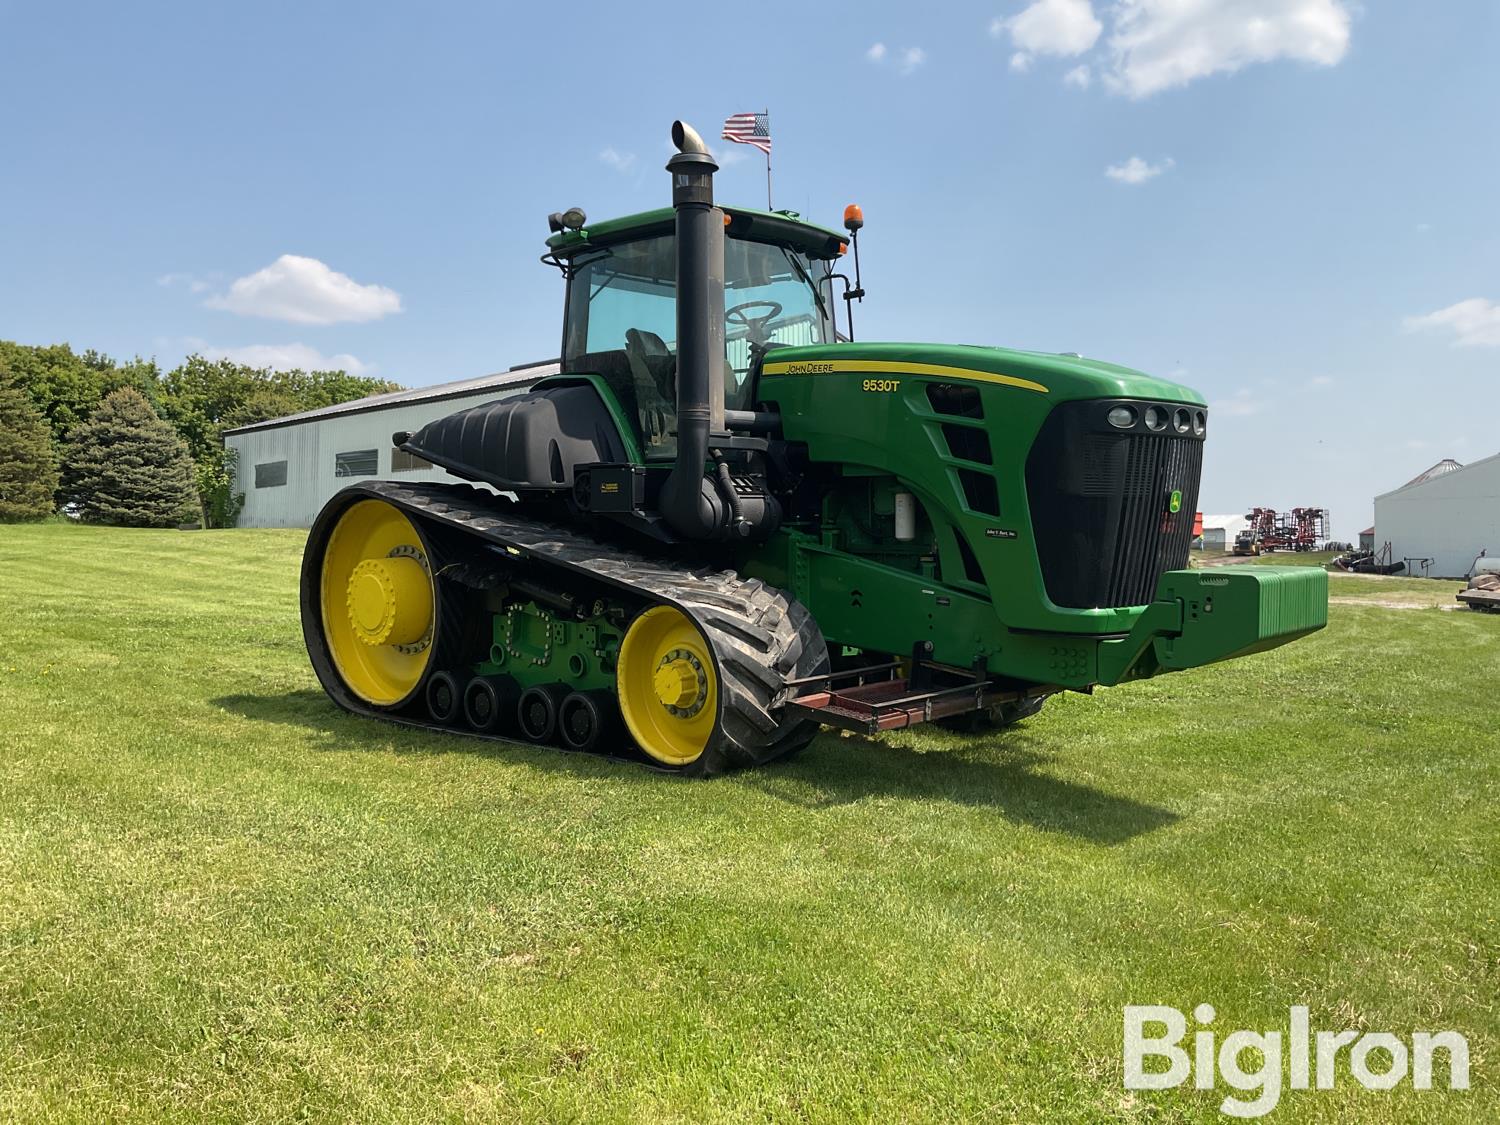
{"type": "Point", "coordinates": [726, 523]}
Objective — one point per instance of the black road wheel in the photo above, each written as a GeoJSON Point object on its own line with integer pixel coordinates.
{"type": "Point", "coordinates": [488, 701]}
{"type": "Point", "coordinates": [584, 718]}
{"type": "Point", "coordinates": [536, 713]}
{"type": "Point", "coordinates": [444, 698]}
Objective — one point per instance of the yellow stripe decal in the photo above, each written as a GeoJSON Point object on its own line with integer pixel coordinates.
{"type": "Point", "coordinates": [887, 367]}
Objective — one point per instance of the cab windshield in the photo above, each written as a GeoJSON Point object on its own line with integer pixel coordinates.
{"type": "Point", "coordinates": [622, 322]}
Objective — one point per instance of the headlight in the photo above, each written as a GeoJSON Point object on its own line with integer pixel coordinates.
{"type": "Point", "coordinates": [1181, 422]}
{"type": "Point", "coordinates": [1156, 418]}
{"type": "Point", "coordinates": [1200, 422]}
{"type": "Point", "coordinates": [1122, 417]}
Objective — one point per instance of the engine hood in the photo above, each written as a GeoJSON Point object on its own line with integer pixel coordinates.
{"type": "Point", "coordinates": [1060, 377]}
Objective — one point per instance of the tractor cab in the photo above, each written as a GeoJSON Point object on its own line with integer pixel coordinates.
{"type": "Point", "coordinates": [620, 319]}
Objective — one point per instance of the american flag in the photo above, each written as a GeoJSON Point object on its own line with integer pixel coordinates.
{"type": "Point", "coordinates": [750, 129]}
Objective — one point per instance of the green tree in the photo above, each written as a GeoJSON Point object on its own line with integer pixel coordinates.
{"type": "Point", "coordinates": [66, 387]}
{"type": "Point", "coordinates": [200, 394]}
{"type": "Point", "coordinates": [200, 398]}
{"type": "Point", "coordinates": [126, 466]}
{"type": "Point", "coordinates": [214, 474]}
{"type": "Point", "coordinates": [28, 467]}
{"type": "Point", "coordinates": [262, 404]}
{"type": "Point", "coordinates": [312, 389]}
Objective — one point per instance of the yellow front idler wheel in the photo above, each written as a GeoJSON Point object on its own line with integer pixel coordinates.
{"type": "Point", "coordinates": [669, 691]}
{"type": "Point", "coordinates": [378, 602]}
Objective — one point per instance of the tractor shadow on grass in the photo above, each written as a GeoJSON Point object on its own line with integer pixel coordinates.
{"type": "Point", "coordinates": [336, 729]}
{"type": "Point", "coordinates": [999, 771]}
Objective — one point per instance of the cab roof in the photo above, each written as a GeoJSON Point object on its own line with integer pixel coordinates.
{"type": "Point", "coordinates": [786, 228]}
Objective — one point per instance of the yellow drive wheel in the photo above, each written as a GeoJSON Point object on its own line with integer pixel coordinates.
{"type": "Point", "coordinates": [378, 602]}
{"type": "Point", "coordinates": [669, 691]}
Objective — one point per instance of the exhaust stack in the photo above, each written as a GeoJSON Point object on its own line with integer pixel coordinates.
{"type": "Point", "coordinates": [689, 501]}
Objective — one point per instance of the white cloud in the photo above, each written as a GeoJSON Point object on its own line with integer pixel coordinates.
{"type": "Point", "coordinates": [1020, 62]}
{"type": "Point", "coordinates": [1321, 381]}
{"type": "Point", "coordinates": [619, 161]}
{"type": "Point", "coordinates": [1158, 44]}
{"type": "Point", "coordinates": [1079, 76]}
{"type": "Point", "coordinates": [194, 284]}
{"type": "Point", "coordinates": [905, 59]}
{"type": "Point", "coordinates": [1137, 171]}
{"type": "Point", "coordinates": [1475, 323]}
{"type": "Point", "coordinates": [1052, 27]}
{"type": "Point", "coordinates": [305, 291]}
{"type": "Point", "coordinates": [280, 357]}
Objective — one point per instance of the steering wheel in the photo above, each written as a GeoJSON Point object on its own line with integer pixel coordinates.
{"type": "Point", "coordinates": [754, 325]}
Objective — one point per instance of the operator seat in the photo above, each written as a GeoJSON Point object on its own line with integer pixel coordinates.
{"type": "Point", "coordinates": [653, 369]}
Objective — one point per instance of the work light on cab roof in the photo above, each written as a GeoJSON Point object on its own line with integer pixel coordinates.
{"type": "Point", "coordinates": [726, 522]}
{"type": "Point", "coordinates": [571, 219]}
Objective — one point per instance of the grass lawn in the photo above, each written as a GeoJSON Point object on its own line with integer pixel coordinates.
{"type": "Point", "coordinates": [221, 898]}
{"type": "Point", "coordinates": [1295, 558]}
{"type": "Point", "coordinates": [1271, 558]}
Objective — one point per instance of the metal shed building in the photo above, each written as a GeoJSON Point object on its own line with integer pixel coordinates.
{"type": "Point", "coordinates": [289, 467]}
{"type": "Point", "coordinates": [1219, 531]}
{"type": "Point", "coordinates": [1449, 515]}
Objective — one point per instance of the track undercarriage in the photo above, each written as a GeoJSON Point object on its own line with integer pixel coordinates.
{"type": "Point", "coordinates": [540, 632]}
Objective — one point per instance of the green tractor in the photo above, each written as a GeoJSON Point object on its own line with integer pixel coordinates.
{"type": "Point", "coordinates": [726, 523]}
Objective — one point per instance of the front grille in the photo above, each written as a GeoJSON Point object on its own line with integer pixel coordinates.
{"type": "Point", "coordinates": [1101, 501]}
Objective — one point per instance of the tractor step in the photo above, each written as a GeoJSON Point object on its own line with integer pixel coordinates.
{"type": "Point", "coordinates": [881, 697]}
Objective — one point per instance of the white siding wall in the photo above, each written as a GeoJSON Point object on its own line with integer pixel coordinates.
{"type": "Point", "coordinates": [1223, 529]}
{"type": "Point", "coordinates": [309, 448]}
{"type": "Point", "coordinates": [1449, 519]}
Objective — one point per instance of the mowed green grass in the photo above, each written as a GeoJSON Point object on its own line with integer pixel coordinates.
{"type": "Point", "coordinates": [220, 898]}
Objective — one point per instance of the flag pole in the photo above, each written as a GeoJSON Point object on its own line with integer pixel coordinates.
{"type": "Point", "coordinates": [768, 160]}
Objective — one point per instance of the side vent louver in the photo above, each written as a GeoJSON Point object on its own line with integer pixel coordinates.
{"type": "Point", "coordinates": [968, 442]}
{"type": "Point", "coordinates": [980, 493]}
{"type": "Point", "coordinates": [971, 564]}
{"type": "Point", "coordinates": [955, 399]}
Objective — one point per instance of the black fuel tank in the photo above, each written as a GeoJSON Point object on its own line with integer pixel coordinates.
{"type": "Point", "coordinates": [531, 441]}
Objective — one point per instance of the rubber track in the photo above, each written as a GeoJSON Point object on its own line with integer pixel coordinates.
{"type": "Point", "coordinates": [760, 636]}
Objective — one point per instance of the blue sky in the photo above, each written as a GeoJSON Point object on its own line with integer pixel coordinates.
{"type": "Point", "coordinates": [1301, 219]}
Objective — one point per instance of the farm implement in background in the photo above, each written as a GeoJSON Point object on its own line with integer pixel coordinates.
{"type": "Point", "coordinates": [1301, 529]}
{"type": "Point", "coordinates": [1483, 590]}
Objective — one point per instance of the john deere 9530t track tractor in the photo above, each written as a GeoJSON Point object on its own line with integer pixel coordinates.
{"type": "Point", "coordinates": [726, 523]}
